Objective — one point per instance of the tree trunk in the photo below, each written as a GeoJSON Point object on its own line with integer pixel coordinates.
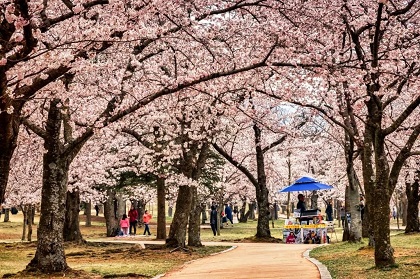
{"type": "Point", "coordinates": [6, 214]}
{"type": "Point", "coordinates": [352, 194]}
{"type": "Point", "coordinates": [25, 220]}
{"type": "Point", "coordinates": [141, 206]}
{"type": "Point", "coordinates": [30, 218]}
{"type": "Point", "coordinates": [346, 228]}
{"type": "Point", "coordinates": [88, 214]}
{"type": "Point", "coordinates": [251, 208]}
{"type": "Point", "coordinates": [71, 231]}
{"type": "Point", "coordinates": [178, 229]}
{"type": "Point", "coordinates": [161, 214]}
{"type": "Point", "coordinates": [412, 191]}
{"type": "Point", "coordinates": [203, 213]}
{"type": "Point", "coordinates": [314, 200]}
{"type": "Point", "coordinates": [384, 253]}
{"type": "Point", "coordinates": [9, 129]}
{"type": "Point", "coordinates": [111, 220]}
{"type": "Point", "coordinates": [243, 217]}
{"type": "Point", "coordinates": [170, 210]}
{"type": "Point", "coordinates": [121, 206]}
{"type": "Point", "coordinates": [50, 256]}
{"type": "Point", "coordinates": [404, 209]}
{"type": "Point", "coordinates": [194, 220]}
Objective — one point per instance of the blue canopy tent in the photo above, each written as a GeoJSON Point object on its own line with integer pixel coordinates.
{"type": "Point", "coordinates": [305, 184]}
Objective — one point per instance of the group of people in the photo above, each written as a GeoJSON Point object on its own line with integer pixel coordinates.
{"type": "Point", "coordinates": [128, 224]}
{"type": "Point", "coordinates": [226, 215]}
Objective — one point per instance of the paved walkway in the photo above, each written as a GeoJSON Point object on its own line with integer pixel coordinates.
{"type": "Point", "coordinates": [250, 260]}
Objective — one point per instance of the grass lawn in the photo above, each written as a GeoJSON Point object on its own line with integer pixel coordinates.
{"type": "Point", "coordinates": [112, 260]}
{"type": "Point", "coordinates": [356, 261]}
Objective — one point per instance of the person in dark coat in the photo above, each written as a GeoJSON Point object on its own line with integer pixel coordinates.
{"type": "Point", "coordinates": [213, 219]}
{"type": "Point", "coordinates": [301, 203]}
{"type": "Point", "coordinates": [228, 212]}
{"type": "Point", "coordinates": [329, 211]}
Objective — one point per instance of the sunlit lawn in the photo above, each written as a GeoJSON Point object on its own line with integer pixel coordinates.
{"type": "Point", "coordinates": [342, 259]}
{"type": "Point", "coordinates": [345, 260]}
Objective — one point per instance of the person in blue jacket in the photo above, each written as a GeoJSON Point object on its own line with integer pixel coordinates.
{"type": "Point", "coordinates": [228, 212]}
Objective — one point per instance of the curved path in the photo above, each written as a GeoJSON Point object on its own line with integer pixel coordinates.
{"type": "Point", "coordinates": [254, 260]}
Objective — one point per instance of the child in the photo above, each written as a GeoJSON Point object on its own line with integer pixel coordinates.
{"type": "Point", "coordinates": [146, 219]}
{"type": "Point", "coordinates": [124, 224]}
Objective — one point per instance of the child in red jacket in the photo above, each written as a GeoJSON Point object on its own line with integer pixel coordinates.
{"type": "Point", "coordinates": [146, 218]}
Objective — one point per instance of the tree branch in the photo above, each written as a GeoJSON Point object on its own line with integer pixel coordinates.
{"type": "Point", "coordinates": [239, 166]}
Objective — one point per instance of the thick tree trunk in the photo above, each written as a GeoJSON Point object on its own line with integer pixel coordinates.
{"type": "Point", "coordinates": [263, 226]}
{"type": "Point", "coordinates": [50, 256]}
{"type": "Point", "coordinates": [88, 214]}
{"type": "Point", "coordinates": [111, 220]}
{"type": "Point", "coordinates": [71, 231]}
{"type": "Point", "coordinates": [161, 215]}
{"type": "Point", "coordinates": [412, 191]}
{"type": "Point", "coordinates": [353, 200]}
{"type": "Point", "coordinates": [9, 129]}
{"type": "Point", "coordinates": [194, 220]}
{"type": "Point", "coordinates": [121, 205]}
{"type": "Point", "coordinates": [384, 253]}
{"type": "Point", "coordinates": [178, 229]}
{"type": "Point", "coordinates": [355, 230]}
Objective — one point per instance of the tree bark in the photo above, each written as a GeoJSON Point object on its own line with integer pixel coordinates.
{"type": "Point", "coordinates": [9, 129]}
{"type": "Point", "coordinates": [161, 214]}
{"type": "Point", "coordinates": [71, 231]}
{"type": "Point", "coordinates": [6, 215]}
{"type": "Point", "coordinates": [178, 229]}
{"type": "Point", "coordinates": [88, 214]}
{"type": "Point", "coordinates": [263, 226]}
{"type": "Point", "coordinates": [194, 220]}
{"type": "Point", "coordinates": [404, 209]}
{"type": "Point", "coordinates": [412, 191]}
{"type": "Point", "coordinates": [121, 205]}
{"type": "Point", "coordinates": [111, 220]}
{"type": "Point", "coordinates": [30, 218]}
{"type": "Point", "coordinates": [352, 194]}
{"type": "Point", "coordinates": [25, 220]}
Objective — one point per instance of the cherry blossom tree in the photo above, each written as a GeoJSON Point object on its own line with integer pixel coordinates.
{"type": "Point", "coordinates": [370, 72]}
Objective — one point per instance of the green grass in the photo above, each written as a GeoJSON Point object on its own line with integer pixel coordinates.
{"type": "Point", "coordinates": [345, 260]}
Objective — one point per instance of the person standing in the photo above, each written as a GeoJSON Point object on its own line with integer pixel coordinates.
{"type": "Point", "coordinates": [146, 219]}
{"type": "Point", "coordinates": [342, 215]}
{"type": "Point", "coordinates": [124, 224]}
{"type": "Point", "coordinates": [301, 203]}
{"type": "Point", "coordinates": [133, 215]}
{"type": "Point", "coordinates": [97, 209]}
{"type": "Point", "coordinates": [213, 219]}
{"type": "Point", "coordinates": [329, 211]}
{"type": "Point", "coordinates": [228, 212]}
